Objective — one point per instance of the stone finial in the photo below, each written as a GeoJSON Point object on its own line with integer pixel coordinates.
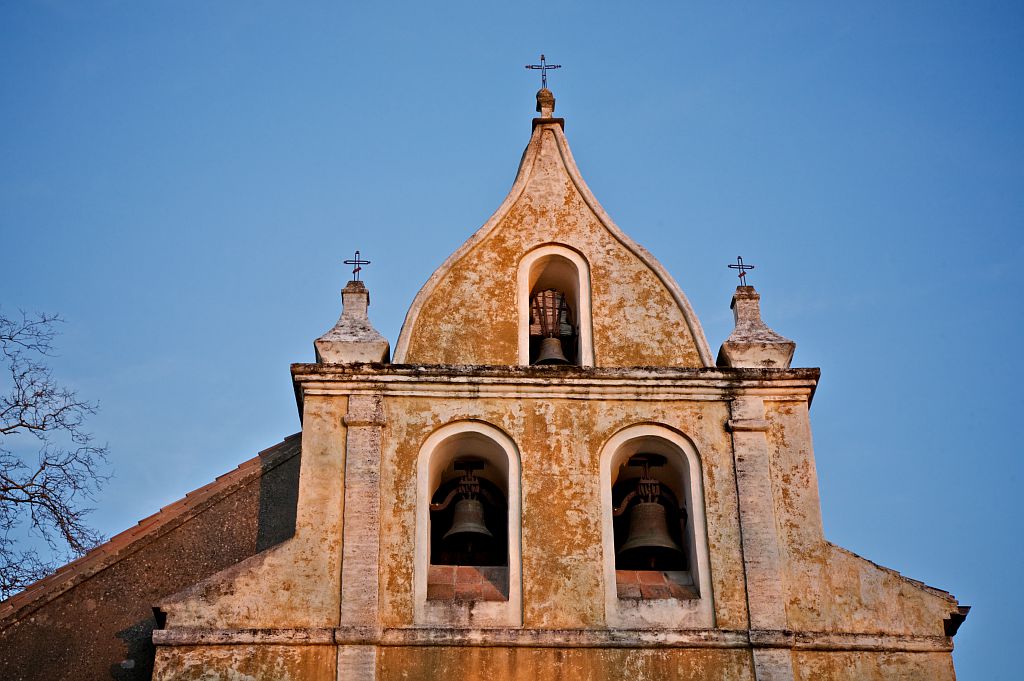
{"type": "Point", "coordinates": [545, 102]}
{"type": "Point", "coordinates": [752, 344]}
{"type": "Point", "coordinates": [353, 338]}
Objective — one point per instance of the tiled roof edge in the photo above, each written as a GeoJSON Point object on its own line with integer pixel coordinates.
{"type": "Point", "coordinates": [145, 531]}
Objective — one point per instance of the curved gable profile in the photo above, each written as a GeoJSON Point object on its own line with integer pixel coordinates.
{"type": "Point", "coordinates": [469, 311]}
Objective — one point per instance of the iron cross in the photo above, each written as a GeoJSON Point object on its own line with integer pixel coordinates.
{"type": "Point", "coordinates": [357, 265]}
{"type": "Point", "coordinates": [742, 268]}
{"type": "Point", "coordinates": [544, 68]}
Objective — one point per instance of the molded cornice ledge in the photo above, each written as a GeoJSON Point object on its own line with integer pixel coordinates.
{"type": "Point", "coordinates": [548, 372]}
{"type": "Point", "coordinates": [642, 383]}
{"type": "Point", "coordinates": [557, 638]}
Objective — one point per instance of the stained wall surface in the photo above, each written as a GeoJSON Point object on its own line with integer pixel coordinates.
{"type": "Point", "coordinates": [556, 664]}
{"type": "Point", "coordinates": [559, 442]}
{"type": "Point", "coordinates": [829, 588]}
{"type": "Point", "coordinates": [260, 663]}
{"type": "Point", "coordinates": [866, 666]}
{"type": "Point", "coordinates": [838, 612]}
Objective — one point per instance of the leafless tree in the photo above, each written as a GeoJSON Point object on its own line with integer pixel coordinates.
{"type": "Point", "coordinates": [50, 466]}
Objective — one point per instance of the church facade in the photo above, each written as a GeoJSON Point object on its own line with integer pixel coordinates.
{"type": "Point", "coordinates": [552, 478]}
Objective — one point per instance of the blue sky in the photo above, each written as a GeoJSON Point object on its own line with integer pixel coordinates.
{"type": "Point", "coordinates": [181, 180]}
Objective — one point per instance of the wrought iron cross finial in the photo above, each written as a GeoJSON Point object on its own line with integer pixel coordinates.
{"type": "Point", "coordinates": [742, 268]}
{"type": "Point", "coordinates": [544, 68]}
{"type": "Point", "coordinates": [357, 265]}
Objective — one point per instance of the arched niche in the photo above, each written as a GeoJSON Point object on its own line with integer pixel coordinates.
{"type": "Point", "coordinates": [436, 469]}
{"type": "Point", "coordinates": [554, 266]}
{"type": "Point", "coordinates": [681, 476]}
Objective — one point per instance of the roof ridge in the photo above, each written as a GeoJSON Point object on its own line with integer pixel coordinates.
{"type": "Point", "coordinates": [166, 518]}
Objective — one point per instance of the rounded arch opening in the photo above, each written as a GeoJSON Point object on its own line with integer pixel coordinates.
{"type": "Point", "coordinates": [468, 528]}
{"type": "Point", "coordinates": [666, 581]}
{"type": "Point", "coordinates": [647, 537]}
{"type": "Point", "coordinates": [469, 520]}
{"type": "Point", "coordinates": [557, 324]}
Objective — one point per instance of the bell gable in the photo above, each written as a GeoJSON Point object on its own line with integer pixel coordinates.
{"type": "Point", "coordinates": [625, 309]}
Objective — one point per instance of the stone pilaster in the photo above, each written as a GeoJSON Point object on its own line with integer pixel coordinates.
{"type": "Point", "coordinates": [361, 533]}
{"type": "Point", "coordinates": [761, 554]}
{"type": "Point", "coordinates": [773, 664]}
{"type": "Point", "coordinates": [357, 662]}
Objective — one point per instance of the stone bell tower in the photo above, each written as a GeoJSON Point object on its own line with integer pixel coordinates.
{"type": "Point", "coordinates": [553, 478]}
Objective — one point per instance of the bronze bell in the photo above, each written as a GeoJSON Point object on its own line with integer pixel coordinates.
{"type": "Point", "coordinates": [648, 542]}
{"type": "Point", "coordinates": [551, 352]}
{"type": "Point", "coordinates": [551, 317]}
{"type": "Point", "coordinates": [468, 518]}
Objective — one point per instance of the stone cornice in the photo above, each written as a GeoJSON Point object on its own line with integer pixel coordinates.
{"type": "Point", "coordinates": [634, 383]}
{"type": "Point", "coordinates": [557, 638]}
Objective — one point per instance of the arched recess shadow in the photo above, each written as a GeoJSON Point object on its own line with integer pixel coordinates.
{"type": "Point", "coordinates": [565, 269]}
{"type": "Point", "coordinates": [483, 440]}
{"type": "Point", "coordinates": [664, 440]}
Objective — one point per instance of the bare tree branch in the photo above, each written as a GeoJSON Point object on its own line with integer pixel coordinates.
{"type": "Point", "coordinates": [42, 495]}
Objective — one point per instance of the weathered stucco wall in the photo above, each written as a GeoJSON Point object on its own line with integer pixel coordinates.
{"type": "Point", "coordinates": [867, 666]}
{"type": "Point", "coordinates": [297, 583]}
{"type": "Point", "coordinates": [469, 315]}
{"type": "Point", "coordinates": [829, 588]}
{"type": "Point", "coordinates": [558, 664]}
{"type": "Point", "coordinates": [560, 443]}
{"type": "Point", "coordinates": [247, 663]}
{"type": "Point", "coordinates": [835, 590]}
{"type": "Point", "coordinates": [558, 422]}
